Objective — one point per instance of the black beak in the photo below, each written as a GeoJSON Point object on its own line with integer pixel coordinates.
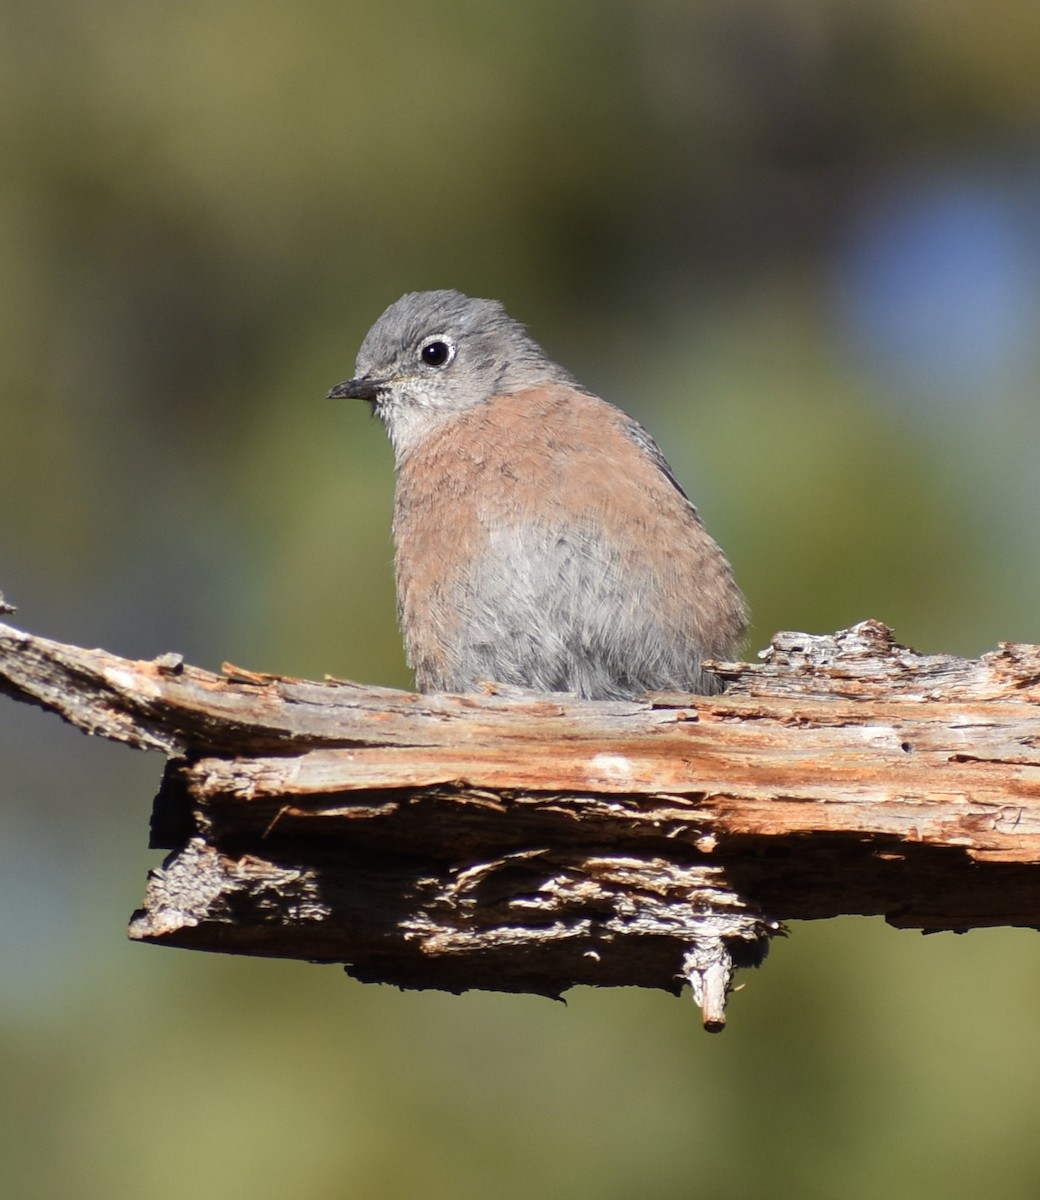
{"type": "Point", "coordinates": [356, 389]}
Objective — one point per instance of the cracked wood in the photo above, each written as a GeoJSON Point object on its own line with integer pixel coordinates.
{"type": "Point", "coordinates": [529, 843]}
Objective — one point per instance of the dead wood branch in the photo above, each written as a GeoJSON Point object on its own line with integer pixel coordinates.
{"type": "Point", "coordinates": [530, 843]}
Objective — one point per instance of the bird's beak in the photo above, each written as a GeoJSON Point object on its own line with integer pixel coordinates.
{"type": "Point", "coordinates": [356, 389]}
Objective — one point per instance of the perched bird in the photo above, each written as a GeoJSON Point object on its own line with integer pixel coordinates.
{"type": "Point", "coordinates": [541, 539]}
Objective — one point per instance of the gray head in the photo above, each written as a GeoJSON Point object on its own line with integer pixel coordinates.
{"type": "Point", "coordinates": [432, 354]}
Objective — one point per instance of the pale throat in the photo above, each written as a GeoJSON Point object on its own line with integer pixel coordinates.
{"type": "Point", "coordinates": [409, 422]}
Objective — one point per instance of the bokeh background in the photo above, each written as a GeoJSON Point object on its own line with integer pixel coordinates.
{"type": "Point", "coordinates": [799, 241]}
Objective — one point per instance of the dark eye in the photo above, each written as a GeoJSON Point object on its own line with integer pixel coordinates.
{"type": "Point", "coordinates": [437, 352]}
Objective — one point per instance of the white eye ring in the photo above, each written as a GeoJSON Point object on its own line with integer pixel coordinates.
{"type": "Point", "coordinates": [437, 350]}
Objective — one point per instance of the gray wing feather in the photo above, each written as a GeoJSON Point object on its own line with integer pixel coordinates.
{"type": "Point", "coordinates": [647, 444]}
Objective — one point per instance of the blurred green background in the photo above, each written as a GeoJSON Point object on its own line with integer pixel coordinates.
{"type": "Point", "coordinates": [799, 241]}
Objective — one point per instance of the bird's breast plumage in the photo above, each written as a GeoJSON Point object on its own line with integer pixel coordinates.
{"type": "Point", "coordinates": [539, 543]}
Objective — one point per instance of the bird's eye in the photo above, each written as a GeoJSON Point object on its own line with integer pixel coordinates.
{"type": "Point", "coordinates": [437, 351]}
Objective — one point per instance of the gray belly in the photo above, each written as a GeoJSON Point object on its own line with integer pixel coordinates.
{"type": "Point", "coordinates": [554, 612]}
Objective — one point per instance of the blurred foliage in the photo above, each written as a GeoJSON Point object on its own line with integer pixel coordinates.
{"type": "Point", "coordinates": [798, 241]}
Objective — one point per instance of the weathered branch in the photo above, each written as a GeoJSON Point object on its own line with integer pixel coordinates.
{"type": "Point", "coordinates": [530, 843]}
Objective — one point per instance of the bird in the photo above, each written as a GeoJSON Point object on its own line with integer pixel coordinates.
{"type": "Point", "coordinates": [541, 540]}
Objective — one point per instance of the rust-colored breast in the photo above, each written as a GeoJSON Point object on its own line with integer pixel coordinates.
{"type": "Point", "coordinates": [538, 543]}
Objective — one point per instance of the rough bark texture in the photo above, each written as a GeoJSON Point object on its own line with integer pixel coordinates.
{"type": "Point", "coordinates": [530, 843]}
